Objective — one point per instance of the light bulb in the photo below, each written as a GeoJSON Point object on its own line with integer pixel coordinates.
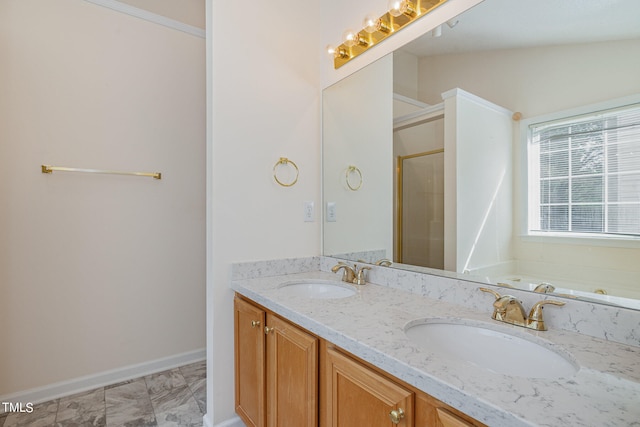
{"type": "Point", "coordinates": [401, 7]}
{"type": "Point", "coordinates": [395, 7]}
{"type": "Point", "coordinates": [337, 52]}
{"type": "Point", "coordinates": [372, 24]}
{"type": "Point", "coordinates": [350, 38]}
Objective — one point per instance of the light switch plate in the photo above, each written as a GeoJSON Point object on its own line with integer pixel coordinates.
{"type": "Point", "coordinates": [331, 212]}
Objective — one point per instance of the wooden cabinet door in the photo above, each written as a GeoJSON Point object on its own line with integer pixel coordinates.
{"type": "Point", "coordinates": [359, 396]}
{"type": "Point", "coordinates": [292, 375]}
{"type": "Point", "coordinates": [250, 363]}
{"type": "Point", "coordinates": [430, 412]}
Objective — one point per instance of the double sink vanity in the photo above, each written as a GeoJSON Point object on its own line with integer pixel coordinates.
{"type": "Point", "coordinates": [408, 349]}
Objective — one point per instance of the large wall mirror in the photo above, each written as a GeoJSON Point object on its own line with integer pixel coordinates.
{"type": "Point", "coordinates": [427, 164]}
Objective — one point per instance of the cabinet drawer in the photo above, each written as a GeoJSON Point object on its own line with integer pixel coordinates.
{"type": "Point", "coordinates": [359, 396]}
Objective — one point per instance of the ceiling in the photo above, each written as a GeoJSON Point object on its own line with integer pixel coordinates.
{"type": "Point", "coordinates": [508, 24]}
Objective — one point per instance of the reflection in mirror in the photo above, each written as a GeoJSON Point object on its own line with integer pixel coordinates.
{"type": "Point", "coordinates": [453, 94]}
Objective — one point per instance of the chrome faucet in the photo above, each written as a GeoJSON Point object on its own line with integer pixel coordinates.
{"type": "Point", "coordinates": [509, 310]}
{"type": "Point", "coordinates": [353, 274]}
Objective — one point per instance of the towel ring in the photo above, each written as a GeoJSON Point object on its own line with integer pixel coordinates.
{"type": "Point", "coordinates": [285, 161]}
{"type": "Point", "coordinates": [351, 169]}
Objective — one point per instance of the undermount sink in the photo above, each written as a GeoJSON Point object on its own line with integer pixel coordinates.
{"type": "Point", "coordinates": [490, 349]}
{"type": "Point", "coordinates": [322, 289]}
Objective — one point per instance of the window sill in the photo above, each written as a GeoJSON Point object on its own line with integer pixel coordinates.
{"type": "Point", "coordinates": [582, 240]}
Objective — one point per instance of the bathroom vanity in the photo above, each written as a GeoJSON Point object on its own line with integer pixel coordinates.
{"type": "Point", "coordinates": [319, 358]}
{"type": "Point", "coordinates": [288, 376]}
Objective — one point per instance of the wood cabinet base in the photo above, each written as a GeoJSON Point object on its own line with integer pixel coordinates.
{"type": "Point", "coordinates": [287, 377]}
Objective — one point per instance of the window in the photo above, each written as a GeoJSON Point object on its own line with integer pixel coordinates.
{"type": "Point", "coordinates": [584, 174]}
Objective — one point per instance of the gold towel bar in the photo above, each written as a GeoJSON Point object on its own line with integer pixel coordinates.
{"type": "Point", "coordinates": [50, 169]}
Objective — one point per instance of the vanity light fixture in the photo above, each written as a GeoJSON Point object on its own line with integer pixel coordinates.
{"type": "Point", "coordinates": [375, 29]}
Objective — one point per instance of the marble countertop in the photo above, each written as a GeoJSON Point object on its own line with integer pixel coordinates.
{"type": "Point", "coordinates": [370, 324]}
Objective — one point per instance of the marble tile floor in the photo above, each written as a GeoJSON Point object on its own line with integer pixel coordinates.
{"type": "Point", "coordinates": [176, 397]}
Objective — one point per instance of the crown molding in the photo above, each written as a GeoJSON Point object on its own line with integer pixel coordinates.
{"type": "Point", "coordinates": [150, 16]}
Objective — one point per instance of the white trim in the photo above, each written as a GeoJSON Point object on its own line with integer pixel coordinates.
{"type": "Point", "coordinates": [233, 422]}
{"type": "Point", "coordinates": [475, 98]}
{"type": "Point", "coordinates": [114, 376]}
{"type": "Point", "coordinates": [584, 109]}
{"type": "Point", "coordinates": [410, 101]}
{"type": "Point", "coordinates": [151, 17]}
{"type": "Point", "coordinates": [418, 117]}
{"type": "Point", "coordinates": [566, 239]}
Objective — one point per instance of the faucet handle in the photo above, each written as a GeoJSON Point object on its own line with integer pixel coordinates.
{"type": "Point", "coordinates": [492, 292]}
{"type": "Point", "coordinates": [544, 288]}
{"type": "Point", "coordinates": [536, 320]}
{"type": "Point", "coordinates": [361, 275]}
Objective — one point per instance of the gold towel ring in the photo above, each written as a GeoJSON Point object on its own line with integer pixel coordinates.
{"type": "Point", "coordinates": [285, 161]}
{"type": "Point", "coordinates": [351, 169]}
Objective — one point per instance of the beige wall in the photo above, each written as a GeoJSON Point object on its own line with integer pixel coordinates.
{"type": "Point", "coordinates": [537, 81]}
{"type": "Point", "coordinates": [98, 272]}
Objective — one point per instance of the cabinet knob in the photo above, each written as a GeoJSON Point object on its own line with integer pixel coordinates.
{"type": "Point", "coordinates": [255, 323]}
{"type": "Point", "coordinates": [267, 330]}
{"type": "Point", "coordinates": [396, 415]}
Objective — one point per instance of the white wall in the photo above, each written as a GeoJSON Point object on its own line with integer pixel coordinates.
{"type": "Point", "coordinates": [405, 75]}
{"type": "Point", "coordinates": [483, 191]}
{"type": "Point", "coordinates": [357, 130]}
{"type": "Point", "coordinates": [265, 104]}
{"type": "Point", "coordinates": [98, 272]}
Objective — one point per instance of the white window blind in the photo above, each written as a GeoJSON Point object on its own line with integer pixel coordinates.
{"type": "Point", "coordinates": [584, 174]}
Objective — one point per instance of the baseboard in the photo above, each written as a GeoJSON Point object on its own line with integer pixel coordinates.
{"type": "Point", "coordinates": [233, 422]}
{"type": "Point", "coordinates": [90, 382]}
